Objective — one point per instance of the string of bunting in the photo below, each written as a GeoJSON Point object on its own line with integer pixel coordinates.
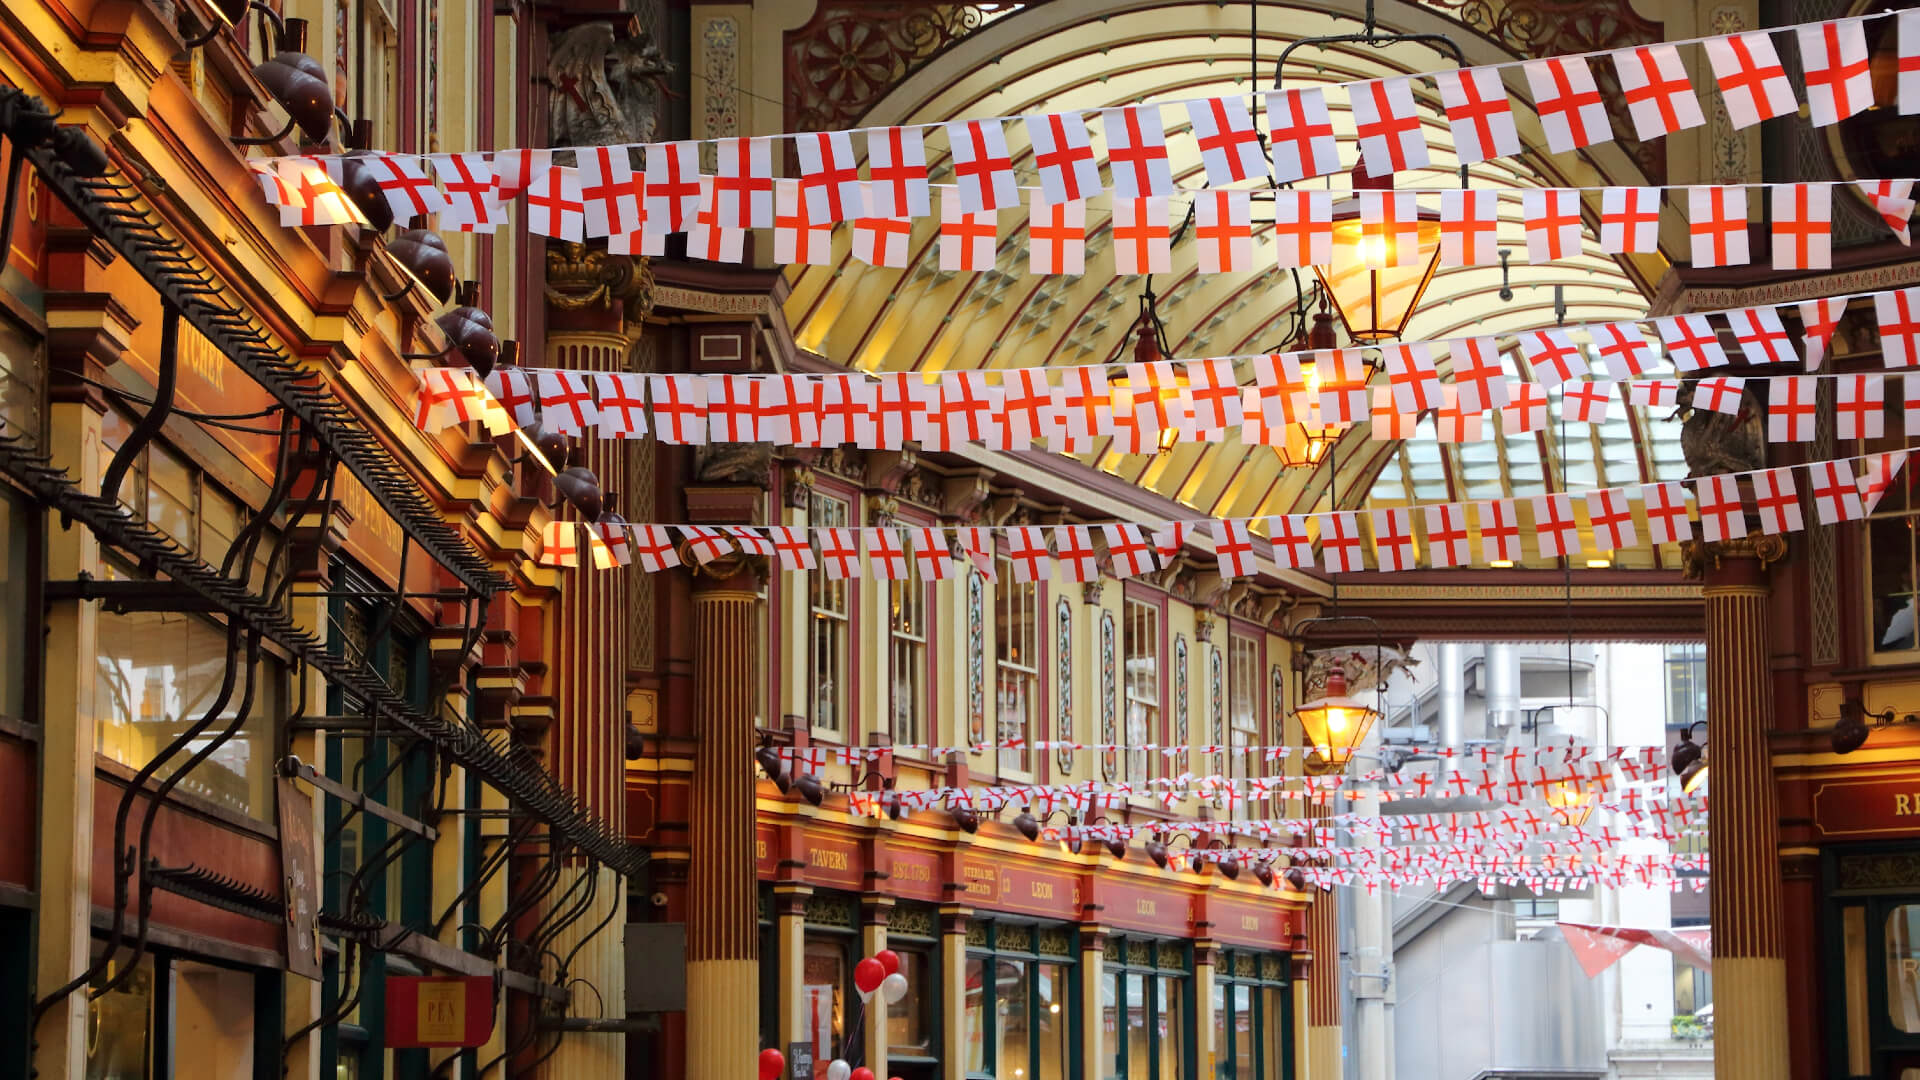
{"type": "Point", "coordinates": [1070, 408]}
{"type": "Point", "coordinates": [603, 196]}
{"type": "Point", "coordinates": [1637, 762]}
{"type": "Point", "coordinates": [1084, 552]}
{"type": "Point", "coordinates": [1541, 874]}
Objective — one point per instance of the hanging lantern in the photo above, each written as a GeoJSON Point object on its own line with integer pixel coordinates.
{"type": "Point", "coordinates": [1376, 302]}
{"type": "Point", "coordinates": [1334, 724]}
{"type": "Point", "coordinates": [1309, 439]}
{"type": "Point", "coordinates": [1572, 805]}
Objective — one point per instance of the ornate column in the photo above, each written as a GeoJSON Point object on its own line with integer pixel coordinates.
{"type": "Point", "coordinates": [876, 911]}
{"type": "Point", "coordinates": [1205, 956]}
{"type": "Point", "coordinates": [1322, 970]}
{"type": "Point", "coordinates": [1750, 978]}
{"type": "Point", "coordinates": [723, 970]}
{"type": "Point", "coordinates": [1094, 1050]}
{"type": "Point", "coordinates": [790, 927]}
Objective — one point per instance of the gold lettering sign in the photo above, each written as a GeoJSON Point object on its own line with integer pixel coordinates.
{"type": "Point", "coordinates": [1250, 922]}
{"type": "Point", "coordinates": [759, 847]}
{"type": "Point", "coordinates": [981, 880]}
{"type": "Point", "coordinates": [442, 1013]}
{"type": "Point", "coordinates": [826, 859]}
{"type": "Point", "coordinates": [1042, 890]}
{"type": "Point", "coordinates": [1146, 907]}
{"type": "Point", "coordinates": [1903, 806]}
{"type": "Point", "coordinates": [908, 871]}
{"type": "Point", "coordinates": [203, 359]}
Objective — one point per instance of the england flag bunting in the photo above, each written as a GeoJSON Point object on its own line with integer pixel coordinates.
{"type": "Point", "coordinates": [1526, 408]}
{"type": "Point", "coordinates": [1233, 546]}
{"type": "Point", "coordinates": [1623, 349]}
{"type": "Point", "coordinates": [554, 205]}
{"type": "Point", "coordinates": [732, 408]}
{"type": "Point", "coordinates": [1388, 126]}
{"type": "Point", "coordinates": [1469, 227]}
{"type": "Point", "coordinates": [1668, 520]}
{"type": "Point", "coordinates": [473, 201]}
{"type": "Point", "coordinates": [1302, 227]}
{"type": "Point", "coordinates": [1340, 542]}
{"type": "Point", "coordinates": [1301, 132]}
{"type": "Point", "coordinates": [1168, 539]}
{"type": "Point", "coordinates": [967, 241]}
{"type": "Point", "coordinates": [1761, 336]}
{"type": "Point", "coordinates": [1722, 515]}
{"type": "Point", "coordinates": [1653, 393]}
{"type": "Point", "coordinates": [830, 176]}
{"type": "Point", "coordinates": [1717, 224]}
{"type": "Point", "coordinates": [1892, 200]}
{"type": "Point", "coordinates": [1721, 394]}
{"type": "Point", "coordinates": [799, 239]}
{"type": "Point", "coordinates": [1833, 60]}
{"type": "Point", "coordinates": [1802, 226]}
{"type": "Point", "coordinates": [1499, 531]}
{"type": "Point", "coordinates": [1063, 155]}
{"type": "Point", "coordinates": [1611, 516]}
{"type": "Point", "coordinates": [566, 401]}
{"type": "Point", "coordinates": [1908, 31]}
{"type": "Point", "coordinates": [1413, 377]}
{"type": "Point", "coordinates": [673, 186]}
{"type": "Point", "coordinates": [709, 238]}
{"type": "Point", "coordinates": [1223, 231]}
{"type": "Point", "coordinates": [1569, 103]}
{"type": "Point", "coordinates": [1752, 82]}
{"type": "Point", "coordinates": [1128, 550]}
{"type": "Point", "coordinates": [1791, 405]}
{"type": "Point", "coordinates": [1451, 423]}
{"type": "Point", "coordinates": [1659, 98]}
{"type": "Point", "coordinates": [560, 544]}
{"type": "Point", "coordinates": [408, 188]}
{"type": "Point", "coordinates": [1630, 221]}
{"type": "Point", "coordinates": [1585, 401]}
{"type": "Point", "coordinates": [1392, 218]}
{"type": "Point", "coordinates": [1552, 223]}
{"type": "Point", "coordinates": [1479, 113]}
{"type": "Point", "coordinates": [514, 171]}
{"type": "Point", "coordinates": [1818, 319]}
{"type": "Point", "coordinates": [1553, 357]}
{"type": "Point", "coordinates": [1390, 423]}
{"type": "Point", "coordinates": [512, 388]}
{"type": "Point", "coordinates": [1343, 385]}
{"type": "Point", "coordinates": [609, 192]}
{"type": "Point", "coordinates": [932, 557]}
{"type": "Point", "coordinates": [886, 553]}
{"type": "Point", "coordinates": [317, 198]}
{"type": "Point", "coordinates": [1478, 373]}
{"type": "Point", "coordinates": [622, 404]}
{"type": "Point", "coordinates": [1836, 494]}
{"type": "Point", "coordinates": [897, 169]}
{"type": "Point", "coordinates": [1229, 143]}
{"type": "Point", "coordinates": [1691, 342]}
{"type": "Point", "coordinates": [981, 165]}
{"type": "Point", "coordinates": [1555, 529]}
{"type": "Point", "coordinates": [1899, 316]}
{"type": "Point", "coordinates": [1057, 235]}
{"type": "Point", "coordinates": [1877, 477]}
{"type": "Point", "coordinates": [1215, 396]}
{"type": "Point", "coordinates": [1393, 539]}
{"type": "Point", "coordinates": [839, 553]}
{"type": "Point", "coordinates": [743, 182]}
{"type": "Point", "coordinates": [1447, 535]}
{"type": "Point", "coordinates": [1777, 500]}
{"type": "Point", "coordinates": [274, 185]}
{"type": "Point", "coordinates": [679, 408]}
{"type": "Point", "coordinates": [1292, 547]}
{"type": "Point", "coordinates": [1142, 236]}
{"type": "Point", "coordinates": [793, 548]}
{"type": "Point", "coordinates": [1137, 151]}
{"type": "Point", "coordinates": [881, 241]}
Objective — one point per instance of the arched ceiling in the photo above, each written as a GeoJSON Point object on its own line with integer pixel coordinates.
{"type": "Point", "coordinates": [1084, 54]}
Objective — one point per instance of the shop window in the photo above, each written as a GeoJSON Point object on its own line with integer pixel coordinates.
{"type": "Point", "coordinates": [907, 658]}
{"type": "Point", "coordinates": [15, 626]}
{"type": "Point", "coordinates": [22, 379]}
{"type": "Point", "coordinates": [1243, 710]}
{"type": "Point", "coordinates": [177, 497]}
{"type": "Point", "coordinates": [910, 1020]}
{"type": "Point", "coordinates": [1686, 671]}
{"type": "Point", "coordinates": [1019, 1015]}
{"type": "Point", "coordinates": [1016, 648]}
{"type": "Point", "coordinates": [120, 1025]}
{"type": "Point", "coordinates": [156, 673]}
{"type": "Point", "coordinates": [1251, 1014]}
{"type": "Point", "coordinates": [824, 975]}
{"type": "Point", "coordinates": [828, 626]}
{"type": "Point", "coordinates": [1890, 562]}
{"type": "Point", "coordinates": [212, 1010]}
{"type": "Point", "coordinates": [1142, 651]}
{"type": "Point", "coordinates": [1145, 1008]}
{"type": "Point", "coordinates": [176, 1016]}
{"type": "Point", "coordinates": [1903, 967]}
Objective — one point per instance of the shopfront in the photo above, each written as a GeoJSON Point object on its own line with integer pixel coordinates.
{"type": "Point", "coordinates": [1873, 951]}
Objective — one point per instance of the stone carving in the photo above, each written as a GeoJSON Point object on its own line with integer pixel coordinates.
{"type": "Point", "coordinates": [580, 277]}
{"type": "Point", "coordinates": [850, 54]}
{"type": "Point", "coordinates": [734, 463]}
{"type": "Point", "coordinates": [1699, 556]}
{"type": "Point", "coordinates": [606, 89]}
{"type": "Point", "coordinates": [1716, 442]}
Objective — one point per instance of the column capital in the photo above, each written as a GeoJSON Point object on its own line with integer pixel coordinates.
{"type": "Point", "coordinates": [954, 918]}
{"type": "Point", "coordinates": [1732, 565]}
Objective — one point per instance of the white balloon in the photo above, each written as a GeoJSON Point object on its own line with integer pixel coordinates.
{"type": "Point", "coordinates": [893, 987]}
{"type": "Point", "coordinates": [839, 1070]}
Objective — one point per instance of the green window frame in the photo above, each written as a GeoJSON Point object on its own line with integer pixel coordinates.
{"type": "Point", "coordinates": [1147, 1002]}
{"type": "Point", "coordinates": [1022, 1007]}
{"type": "Point", "coordinates": [1252, 1017]}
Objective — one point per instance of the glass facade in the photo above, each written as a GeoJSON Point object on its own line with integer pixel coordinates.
{"type": "Point", "coordinates": [1251, 1010]}
{"type": "Point", "coordinates": [1146, 1009]}
{"type": "Point", "coordinates": [1016, 644]}
{"type": "Point", "coordinates": [1019, 1011]}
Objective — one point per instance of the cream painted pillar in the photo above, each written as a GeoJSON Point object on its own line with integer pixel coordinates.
{"type": "Point", "coordinates": [65, 920]}
{"type": "Point", "coordinates": [1323, 1012]}
{"type": "Point", "coordinates": [1096, 1056]}
{"type": "Point", "coordinates": [875, 911]}
{"type": "Point", "coordinates": [953, 999]}
{"type": "Point", "coordinates": [1204, 1050]}
{"type": "Point", "coordinates": [790, 933]}
{"type": "Point", "coordinates": [493, 904]}
{"type": "Point", "coordinates": [1300, 992]}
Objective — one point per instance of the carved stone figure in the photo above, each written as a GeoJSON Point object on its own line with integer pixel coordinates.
{"type": "Point", "coordinates": [734, 463]}
{"type": "Point", "coordinates": [1716, 442]}
{"type": "Point", "coordinates": [606, 90]}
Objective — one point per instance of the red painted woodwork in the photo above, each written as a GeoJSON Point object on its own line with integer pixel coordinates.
{"type": "Point", "coordinates": [19, 805]}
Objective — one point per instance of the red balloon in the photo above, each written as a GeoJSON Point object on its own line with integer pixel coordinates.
{"type": "Point", "coordinates": [861, 1073]}
{"type": "Point", "coordinates": [889, 960]}
{"type": "Point", "coordinates": [867, 975]}
{"type": "Point", "coordinates": [772, 1063]}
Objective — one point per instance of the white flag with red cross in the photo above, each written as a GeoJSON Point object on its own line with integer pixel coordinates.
{"type": "Point", "coordinates": [1478, 374]}
{"type": "Point", "coordinates": [1836, 494]}
{"type": "Point", "coordinates": [1691, 342]}
{"type": "Point", "coordinates": [1447, 535]}
{"type": "Point", "coordinates": [1393, 539]}
{"type": "Point", "coordinates": [610, 194]}
{"type": "Point", "coordinates": [1860, 406]}
{"type": "Point", "coordinates": [1761, 336]}
{"type": "Point", "coordinates": [1057, 236]}
{"type": "Point", "coordinates": [1553, 223]}
{"type": "Point", "coordinates": [1802, 226]}
{"type": "Point", "coordinates": [897, 171]}
{"type": "Point", "coordinates": [1898, 312]}
{"type": "Point", "coordinates": [1776, 498]}
{"type": "Point", "coordinates": [1063, 155]}
{"type": "Point", "coordinates": [1499, 531]}
{"type": "Point", "coordinates": [1137, 151]}
{"type": "Point", "coordinates": [1142, 236]}
{"type": "Point", "coordinates": [1611, 516]}
{"type": "Point", "coordinates": [1833, 61]}
{"type": "Point", "coordinates": [1568, 102]}
{"type": "Point", "coordinates": [1717, 226]}
{"type": "Point", "coordinates": [1480, 114]}
{"type": "Point", "coordinates": [799, 239]}
{"type": "Point", "coordinates": [1818, 320]}
{"type": "Point", "coordinates": [1469, 227]}
{"type": "Point", "coordinates": [1388, 126]}
{"type": "Point", "coordinates": [1223, 231]}
{"type": "Point", "coordinates": [473, 201]}
{"type": "Point", "coordinates": [1668, 519]}
{"type": "Point", "coordinates": [1302, 227]}
{"type": "Point", "coordinates": [1752, 81]}
{"type": "Point", "coordinates": [1340, 542]}
{"type": "Point", "coordinates": [1229, 142]}
{"type": "Point", "coordinates": [981, 165]}
{"type": "Point", "coordinates": [1722, 515]}
{"type": "Point", "coordinates": [830, 176]}
{"type": "Point", "coordinates": [673, 186]}
{"type": "Point", "coordinates": [1659, 97]}
{"type": "Point", "coordinates": [1721, 394]}
{"type": "Point", "coordinates": [1301, 132]}
{"type": "Point", "coordinates": [408, 187]}
{"type": "Point", "coordinates": [1630, 220]}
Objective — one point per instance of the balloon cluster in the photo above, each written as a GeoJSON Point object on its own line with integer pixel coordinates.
{"type": "Point", "coordinates": [877, 974]}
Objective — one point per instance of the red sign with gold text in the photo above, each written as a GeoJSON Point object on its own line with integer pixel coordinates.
{"type": "Point", "coordinates": [1018, 888]}
{"type": "Point", "coordinates": [1135, 907]}
{"type": "Point", "coordinates": [916, 875]}
{"type": "Point", "coordinates": [1877, 807]}
{"type": "Point", "coordinates": [1245, 922]}
{"type": "Point", "coordinates": [439, 1010]}
{"type": "Point", "coordinates": [832, 862]}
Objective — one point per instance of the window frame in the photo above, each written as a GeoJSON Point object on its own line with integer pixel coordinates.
{"type": "Point", "coordinates": [991, 954]}
{"type": "Point", "coordinates": [926, 719]}
{"type": "Point", "coordinates": [1029, 765]}
{"type": "Point", "coordinates": [846, 618]}
{"type": "Point", "coordinates": [1158, 732]}
{"type": "Point", "coordinates": [1241, 765]}
{"type": "Point", "coordinates": [1117, 967]}
{"type": "Point", "coordinates": [1272, 1000]}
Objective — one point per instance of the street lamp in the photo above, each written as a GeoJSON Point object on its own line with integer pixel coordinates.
{"type": "Point", "coordinates": [1688, 760]}
{"type": "Point", "coordinates": [1571, 803]}
{"type": "Point", "coordinates": [1376, 287]}
{"type": "Point", "coordinates": [1334, 724]}
{"type": "Point", "coordinates": [1310, 437]}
